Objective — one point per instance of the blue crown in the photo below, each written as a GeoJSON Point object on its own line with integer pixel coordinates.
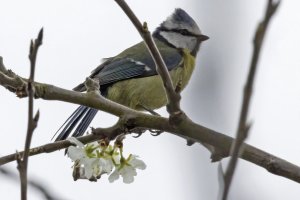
{"type": "Point", "coordinates": [180, 16]}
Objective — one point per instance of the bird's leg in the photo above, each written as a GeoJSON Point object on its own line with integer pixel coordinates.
{"type": "Point", "coordinates": [153, 132]}
{"type": "Point", "coordinates": [139, 131]}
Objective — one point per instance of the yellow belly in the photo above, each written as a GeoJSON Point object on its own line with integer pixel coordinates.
{"type": "Point", "coordinates": [149, 91]}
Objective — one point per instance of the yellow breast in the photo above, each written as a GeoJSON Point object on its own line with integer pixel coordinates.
{"type": "Point", "coordinates": [149, 91]}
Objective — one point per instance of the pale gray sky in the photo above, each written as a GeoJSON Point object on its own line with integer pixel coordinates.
{"type": "Point", "coordinates": [77, 34]}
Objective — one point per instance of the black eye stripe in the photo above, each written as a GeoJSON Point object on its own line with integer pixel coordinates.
{"type": "Point", "coordinates": [184, 32]}
{"type": "Point", "coordinates": [181, 31]}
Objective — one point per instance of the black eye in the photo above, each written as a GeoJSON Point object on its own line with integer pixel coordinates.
{"type": "Point", "coordinates": [184, 32]}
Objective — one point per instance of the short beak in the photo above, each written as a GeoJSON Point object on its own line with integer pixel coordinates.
{"type": "Point", "coordinates": [202, 37]}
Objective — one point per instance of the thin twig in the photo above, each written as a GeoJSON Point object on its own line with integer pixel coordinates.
{"type": "Point", "coordinates": [244, 126]}
{"type": "Point", "coordinates": [173, 97]}
{"type": "Point", "coordinates": [32, 120]}
{"type": "Point", "coordinates": [33, 183]}
{"type": "Point", "coordinates": [2, 67]}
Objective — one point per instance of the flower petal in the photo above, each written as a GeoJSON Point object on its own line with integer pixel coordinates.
{"type": "Point", "coordinates": [128, 179]}
{"type": "Point", "coordinates": [88, 172]}
{"type": "Point", "coordinates": [91, 167]}
{"type": "Point", "coordinates": [127, 172]}
{"type": "Point", "coordinates": [106, 164]}
{"type": "Point", "coordinates": [75, 141]}
{"type": "Point", "coordinates": [136, 163]}
{"type": "Point", "coordinates": [114, 176]}
{"type": "Point", "coordinates": [75, 153]}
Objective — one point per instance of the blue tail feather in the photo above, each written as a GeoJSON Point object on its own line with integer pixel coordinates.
{"type": "Point", "coordinates": [85, 122]}
{"type": "Point", "coordinates": [82, 115]}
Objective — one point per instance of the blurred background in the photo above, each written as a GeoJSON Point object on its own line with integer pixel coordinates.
{"type": "Point", "coordinates": [77, 34]}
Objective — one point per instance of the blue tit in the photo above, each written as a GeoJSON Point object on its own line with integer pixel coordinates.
{"type": "Point", "coordinates": [130, 78]}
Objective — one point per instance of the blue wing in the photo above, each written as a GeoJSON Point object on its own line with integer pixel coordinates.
{"type": "Point", "coordinates": [134, 62]}
{"type": "Point", "coordinates": [120, 69]}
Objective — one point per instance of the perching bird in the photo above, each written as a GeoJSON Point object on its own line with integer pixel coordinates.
{"type": "Point", "coordinates": [130, 78]}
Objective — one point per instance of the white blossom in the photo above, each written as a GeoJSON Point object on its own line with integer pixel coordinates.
{"type": "Point", "coordinates": [127, 169]}
{"type": "Point", "coordinates": [94, 160]}
{"type": "Point", "coordinates": [93, 166]}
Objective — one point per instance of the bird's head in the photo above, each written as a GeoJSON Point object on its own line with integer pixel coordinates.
{"type": "Point", "coordinates": [179, 30]}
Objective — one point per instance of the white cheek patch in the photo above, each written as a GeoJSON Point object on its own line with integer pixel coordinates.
{"type": "Point", "coordinates": [179, 41]}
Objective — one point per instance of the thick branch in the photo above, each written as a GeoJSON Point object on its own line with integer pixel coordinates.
{"type": "Point", "coordinates": [173, 97]}
{"type": "Point", "coordinates": [243, 127]}
{"type": "Point", "coordinates": [186, 129]}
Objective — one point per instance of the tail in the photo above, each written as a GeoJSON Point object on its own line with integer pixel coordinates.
{"type": "Point", "coordinates": [82, 115]}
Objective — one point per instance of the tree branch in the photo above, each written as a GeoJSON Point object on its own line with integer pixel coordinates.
{"type": "Point", "coordinates": [32, 120]}
{"type": "Point", "coordinates": [243, 127]}
{"type": "Point", "coordinates": [173, 106]}
{"type": "Point", "coordinates": [186, 129]}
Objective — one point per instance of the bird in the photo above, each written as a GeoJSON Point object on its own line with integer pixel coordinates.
{"type": "Point", "coordinates": [131, 79]}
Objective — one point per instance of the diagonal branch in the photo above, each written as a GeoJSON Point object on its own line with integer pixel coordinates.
{"type": "Point", "coordinates": [32, 120]}
{"type": "Point", "coordinates": [243, 127]}
{"type": "Point", "coordinates": [173, 106]}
